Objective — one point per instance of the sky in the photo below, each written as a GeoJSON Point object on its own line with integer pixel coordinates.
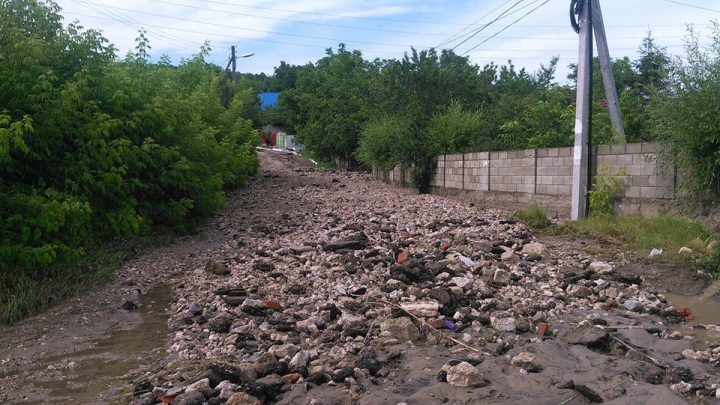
{"type": "Point", "coordinates": [528, 32]}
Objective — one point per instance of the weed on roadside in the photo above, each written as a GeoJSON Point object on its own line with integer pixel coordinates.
{"type": "Point", "coordinates": [534, 217]}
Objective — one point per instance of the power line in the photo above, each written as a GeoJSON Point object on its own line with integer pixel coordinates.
{"type": "Point", "coordinates": [692, 5]}
{"type": "Point", "coordinates": [112, 15]}
{"type": "Point", "coordinates": [477, 31]}
{"type": "Point", "coordinates": [86, 3]}
{"type": "Point", "coordinates": [331, 15]}
{"type": "Point", "coordinates": [454, 36]}
{"type": "Point", "coordinates": [458, 34]}
{"type": "Point", "coordinates": [293, 21]}
{"type": "Point", "coordinates": [411, 21]}
{"type": "Point", "coordinates": [216, 34]}
{"type": "Point", "coordinates": [508, 26]}
{"type": "Point", "coordinates": [251, 29]}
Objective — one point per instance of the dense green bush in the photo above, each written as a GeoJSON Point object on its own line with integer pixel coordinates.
{"type": "Point", "coordinates": [687, 117]}
{"type": "Point", "coordinates": [92, 147]}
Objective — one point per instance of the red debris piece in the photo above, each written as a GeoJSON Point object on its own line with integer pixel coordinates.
{"type": "Point", "coordinates": [543, 328]}
{"type": "Point", "coordinates": [272, 305]}
{"type": "Point", "coordinates": [438, 324]}
{"type": "Point", "coordinates": [684, 311]}
{"type": "Point", "coordinates": [402, 256]}
{"type": "Point", "coordinates": [291, 378]}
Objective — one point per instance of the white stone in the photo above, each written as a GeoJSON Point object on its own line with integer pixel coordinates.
{"type": "Point", "coordinates": [402, 329]}
{"type": "Point", "coordinates": [526, 361]}
{"type": "Point", "coordinates": [601, 267]}
{"type": "Point", "coordinates": [421, 308]}
{"type": "Point", "coordinates": [534, 248]}
{"type": "Point", "coordinates": [462, 282]}
{"type": "Point", "coordinates": [465, 375]}
{"type": "Point", "coordinates": [200, 385]}
{"type": "Point", "coordinates": [504, 324]}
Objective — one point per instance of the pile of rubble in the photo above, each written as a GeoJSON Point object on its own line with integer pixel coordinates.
{"type": "Point", "coordinates": [332, 288]}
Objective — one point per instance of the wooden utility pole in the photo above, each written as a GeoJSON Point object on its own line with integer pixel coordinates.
{"type": "Point", "coordinates": [234, 61]}
{"type": "Point", "coordinates": [607, 74]}
{"type": "Point", "coordinates": [582, 112]}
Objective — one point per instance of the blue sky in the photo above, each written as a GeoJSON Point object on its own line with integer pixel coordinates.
{"type": "Point", "coordinates": [530, 32]}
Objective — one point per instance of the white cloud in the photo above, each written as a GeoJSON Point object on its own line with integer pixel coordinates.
{"type": "Point", "coordinates": [297, 34]}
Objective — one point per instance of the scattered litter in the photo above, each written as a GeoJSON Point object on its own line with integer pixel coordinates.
{"type": "Point", "coordinates": [656, 252]}
{"type": "Point", "coordinates": [466, 260]}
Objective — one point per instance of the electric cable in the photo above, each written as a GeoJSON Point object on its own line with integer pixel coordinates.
{"type": "Point", "coordinates": [477, 31]}
{"type": "Point", "coordinates": [178, 42]}
{"type": "Point", "coordinates": [506, 27]}
{"type": "Point", "coordinates": [692, 5]}
{"type": "Point", "coordinates": [458, 34]}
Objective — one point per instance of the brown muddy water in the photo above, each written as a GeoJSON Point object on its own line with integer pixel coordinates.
{"type": "Point", "coordinates": [102, 373]}
{"type": "Point", "coordinates": [705, 311]}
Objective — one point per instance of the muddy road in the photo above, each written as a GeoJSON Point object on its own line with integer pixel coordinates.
{"type": "Point", "coordinates": [314, 287]}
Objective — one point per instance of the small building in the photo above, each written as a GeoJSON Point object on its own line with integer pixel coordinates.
{"type": "Point", "coordinates": [268, 99]}
{"type": "Point", "coordinates": [272, 135]}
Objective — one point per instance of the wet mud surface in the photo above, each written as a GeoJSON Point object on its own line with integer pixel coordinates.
{"type": "Point", "coordinates": [89, 350]}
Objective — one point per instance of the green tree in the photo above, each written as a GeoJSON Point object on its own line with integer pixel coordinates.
{"type": "Point", "coordinates": [92, 147]}
{"type": "Point", "coordinates": [652, 66]}
{"type": "Point", "coordinates": [329, 105]}
{"type": "Point", "coordinates": [686, 117]}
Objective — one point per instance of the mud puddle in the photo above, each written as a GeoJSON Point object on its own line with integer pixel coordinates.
{"type": "Point", "coordinates": [102, 373]}
{"type": "Point", "coordinates": [705, 311]}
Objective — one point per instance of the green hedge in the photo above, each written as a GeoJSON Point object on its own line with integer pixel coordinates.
{"type": "Point", "coordinates": [93, 147]}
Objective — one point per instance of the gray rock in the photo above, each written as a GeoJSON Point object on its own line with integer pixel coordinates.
{"type": "Point", "coordinates": [534, 248]}
{"type": "Point", "coordinates": [284, 350]}
{"type": "Point", "coordinates": [421, 308]}
{"type": "Point", "coordinates": [203, 386]}
{"type": "Point", "coordinates": [508, 256]}
{"type": "Point", "coordinates": [578, 291]}
{"type": "Point", "coordinates": [241, 398]}
{"type": "Point", "coordinates": [633, 305]}
{"type": "Point", "coordinates": [501, 276]}
{"type": "Point", "coordinates": [226, 389]}
{"type": "Point", "coordinates": [190, 398]}
{"type": "Point", "coordinates": [266, 364]}
{"type": "Point", "coordinates": [217, 268]}
{"type": "Point", "coordinates": [253, 307]}
{"type": "Point", "coordinates": [220, 323]}
{"type": "Point", "coordinates": [681, 387]}
{"type": "Point", "coordinates": [504, 324]}
{"type": "Point", "coordinates": [195, 308]}
{"type": "Point", "coordinates": [526, 361]}
{"type": "Point", "coordinates": [522, 325]}
{"type": "Point", "coordinates": [465, 375]}
{"type": "Point", "coordinates": [601, 267]}
{"type": "Point", "coordinates": [299, 249]}
{"type": "Point", "coordinates": [402, 329]}
{"type": "Point", "coordinates": [586, 335]}
{"type": "Point", "coordinates": [299, 362]}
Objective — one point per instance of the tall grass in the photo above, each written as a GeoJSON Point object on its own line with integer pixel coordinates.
{"type": "Point", "coordinates": [644, 234]}
{"type": "Point", "coordinates": [638, 234]}
{"type": "Point", "coordinates": [23, 295]}
{"type": "Point", "coordinates": [534, 217]}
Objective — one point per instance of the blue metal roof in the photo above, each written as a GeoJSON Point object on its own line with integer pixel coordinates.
{"type": "Point", "coordinates": [268, 99]}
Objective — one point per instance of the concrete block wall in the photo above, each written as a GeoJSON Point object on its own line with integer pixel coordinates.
{"type": "Point", "coordinates": [513, 171]}
{"type": "Point", "coordinates": [644, 179]}
{"type": "Point", "coordinates": [554, 171]}
{"type": "Point", "coordinates": [548, 172]}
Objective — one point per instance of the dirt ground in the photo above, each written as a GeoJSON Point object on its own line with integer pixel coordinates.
{"type": "Point", "coordinates": [80, 328]}
{"type": "Point", "coordinates": [36, 354]}
{"type": "Point", "coordinates": [657, 275]}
